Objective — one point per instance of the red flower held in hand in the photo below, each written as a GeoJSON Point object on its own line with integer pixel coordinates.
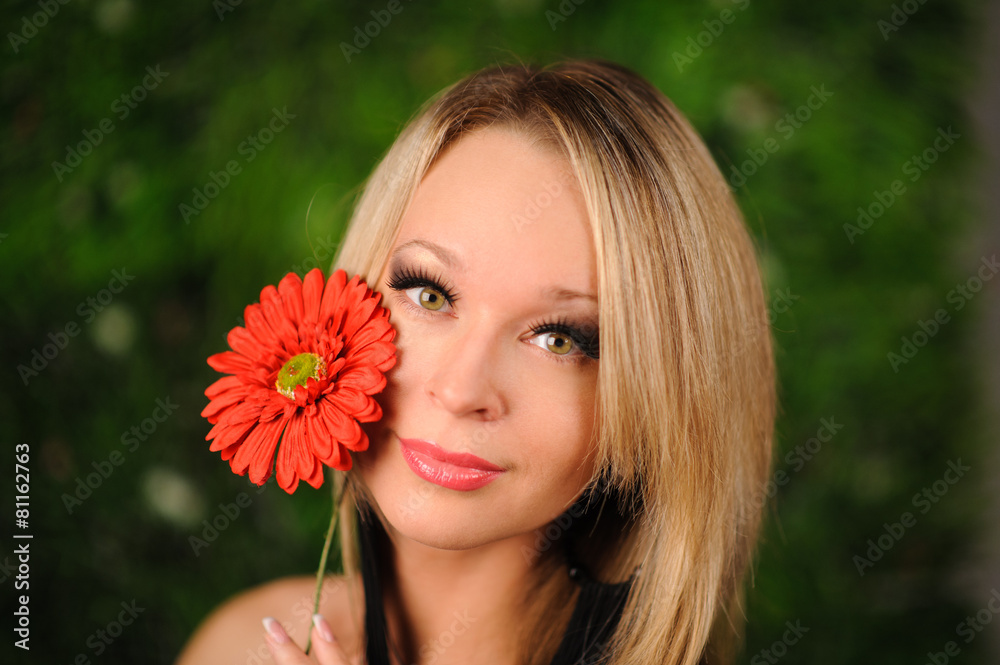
{"type": "Point", "coordinates": [304, 370]}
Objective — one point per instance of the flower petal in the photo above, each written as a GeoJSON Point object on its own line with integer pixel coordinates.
{"type": "Point", "coordinates": [229, 435]}
{"type": "Point", "coordinates": [347, 399]}
{"type": "Point", "coordinates": [248, 410]}
{"type": "Point", "coordinates": [331, 298]}
{"type": "Point", "coordinates": [344, 429]}
{"type": "Point", "coordinates": [290, 290]}
{"type": "Point", "coordinates": [257, 452]}
{"type": "Point", "coordinates": [243, 343]}
{"type": "Point", "coordinates": [293, 447]}
{"type": "Point", "coordinates": [315, 475]}
{"type": "Point", "coordinates": [312, 296]}
{"type": "Point", "coordinates": [274, 311]}
{"type": "Point", "coordinates": [228, 362]}
{"type": "Point", "coordinates": [220, 404]}
{"type": "Point", "coordinates": [357, 317]}
{"type": "Point", "coordinates": [257, 325]}
{"type": "Point", "coordinates": [319, 436]}
{"type": "Point", "coordinates": [371, 413]}
{"type": "Point", "coordinates": [224, 385]}
{"type": "Point", "coordinates": [260, 431]}
{"type": "Point", "coordinates": [362, 378]}
{"type": "Point", "coordinates": [362, 443]}
{"type": "Point", "coordinates": [380, 355]}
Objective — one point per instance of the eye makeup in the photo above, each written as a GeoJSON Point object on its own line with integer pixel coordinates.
{"type": "Point", "coordinates": [584, 334]}
{"type": "Point", "coordinates": [402, 278]}
{"type": "Point", "coordinates": [588, 343]}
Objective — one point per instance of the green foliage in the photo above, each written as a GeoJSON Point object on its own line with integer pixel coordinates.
{"type": "Point", "coordinates": [227, 75]}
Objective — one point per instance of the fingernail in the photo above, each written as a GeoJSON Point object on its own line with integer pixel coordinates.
{"type": "Point", "coordinates": [324, 628]}
{"type": "Point", "coordinates": [275, 630]}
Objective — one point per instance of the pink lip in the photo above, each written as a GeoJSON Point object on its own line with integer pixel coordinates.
{"type": "Point", "coordinates": [457, 471]}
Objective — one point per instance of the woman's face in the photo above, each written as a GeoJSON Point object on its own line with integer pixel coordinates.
{"type": "Point", "coordinates": [492, 286]}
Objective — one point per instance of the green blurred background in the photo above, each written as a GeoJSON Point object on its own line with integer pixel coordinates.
{"type": "Point", "coordinates": [94, 183]}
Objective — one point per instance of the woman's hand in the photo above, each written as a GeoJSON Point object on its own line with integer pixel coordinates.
{"type": "Point", "coordinates": [324, 645]}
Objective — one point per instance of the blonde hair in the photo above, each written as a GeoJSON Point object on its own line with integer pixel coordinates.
{"type": "Point", "coordinates": [686, 394]}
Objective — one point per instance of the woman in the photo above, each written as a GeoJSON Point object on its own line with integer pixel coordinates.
{"type": "Point", "coordinates": [578, 429]}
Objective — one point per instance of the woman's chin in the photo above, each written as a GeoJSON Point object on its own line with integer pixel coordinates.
{"type": "Point", "coordinates": [431, 526]}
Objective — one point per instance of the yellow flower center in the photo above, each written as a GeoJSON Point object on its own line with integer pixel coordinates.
{"type": "Point", "coordinates": [297, 371]}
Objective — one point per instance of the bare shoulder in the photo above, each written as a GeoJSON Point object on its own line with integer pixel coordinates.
{"type": "Point", "coordinates": [232, 634]}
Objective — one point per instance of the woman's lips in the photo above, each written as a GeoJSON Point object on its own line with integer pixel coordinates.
{"type": "Point", "coordinates": [457, 471]}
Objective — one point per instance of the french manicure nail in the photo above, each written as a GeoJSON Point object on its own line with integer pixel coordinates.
{"type": "Point", "coordinates": [324, 628]}
{"type": "Point", "coordinates": [275, 630]}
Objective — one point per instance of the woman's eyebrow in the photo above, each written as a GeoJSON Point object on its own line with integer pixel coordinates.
{"type": "Point", "coordinates": [445, 255]}
{"type": "Point", "coordinates": [451, 260]}
{"type": "Point", "coordinates": [562, 293]}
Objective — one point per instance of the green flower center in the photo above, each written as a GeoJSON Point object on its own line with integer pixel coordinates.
{"type": "Point", "coordinates": [297, 371]}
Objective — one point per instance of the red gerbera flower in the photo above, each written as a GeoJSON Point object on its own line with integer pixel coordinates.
{"type": "Point", "coordinates": [304, 370]}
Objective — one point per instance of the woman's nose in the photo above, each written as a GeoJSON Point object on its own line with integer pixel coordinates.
{"type": "Point", "coordinates": [465, 379]}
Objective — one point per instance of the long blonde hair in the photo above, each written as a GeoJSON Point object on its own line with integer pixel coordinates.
{"type": "Point", "coordinates": [686, 394]}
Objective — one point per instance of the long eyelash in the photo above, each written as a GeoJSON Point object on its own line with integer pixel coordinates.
{"type": "Point", "coordinates": [407, 278]}
{"type": "Point", "coordinates": [589, 343]}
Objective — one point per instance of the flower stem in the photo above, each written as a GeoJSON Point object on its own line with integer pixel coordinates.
{"type": "Point", "coordinates": [322, 560]}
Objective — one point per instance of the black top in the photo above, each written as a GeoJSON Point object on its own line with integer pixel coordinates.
{"type": "Point", "coordinates": [595, 617]}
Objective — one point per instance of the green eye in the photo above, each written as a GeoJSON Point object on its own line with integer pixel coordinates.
{"type": "Point", "coordinates": [558, 343]}
{"type": "Point", "coordinates": [429, 297]}
{"type": "Point", "coordinates": [430, 293]}
{"type": "Point", "coordinates": [567, 340]}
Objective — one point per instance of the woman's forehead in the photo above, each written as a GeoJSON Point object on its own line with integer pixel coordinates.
{"type": "Point", "coordinates": [495, 201]}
